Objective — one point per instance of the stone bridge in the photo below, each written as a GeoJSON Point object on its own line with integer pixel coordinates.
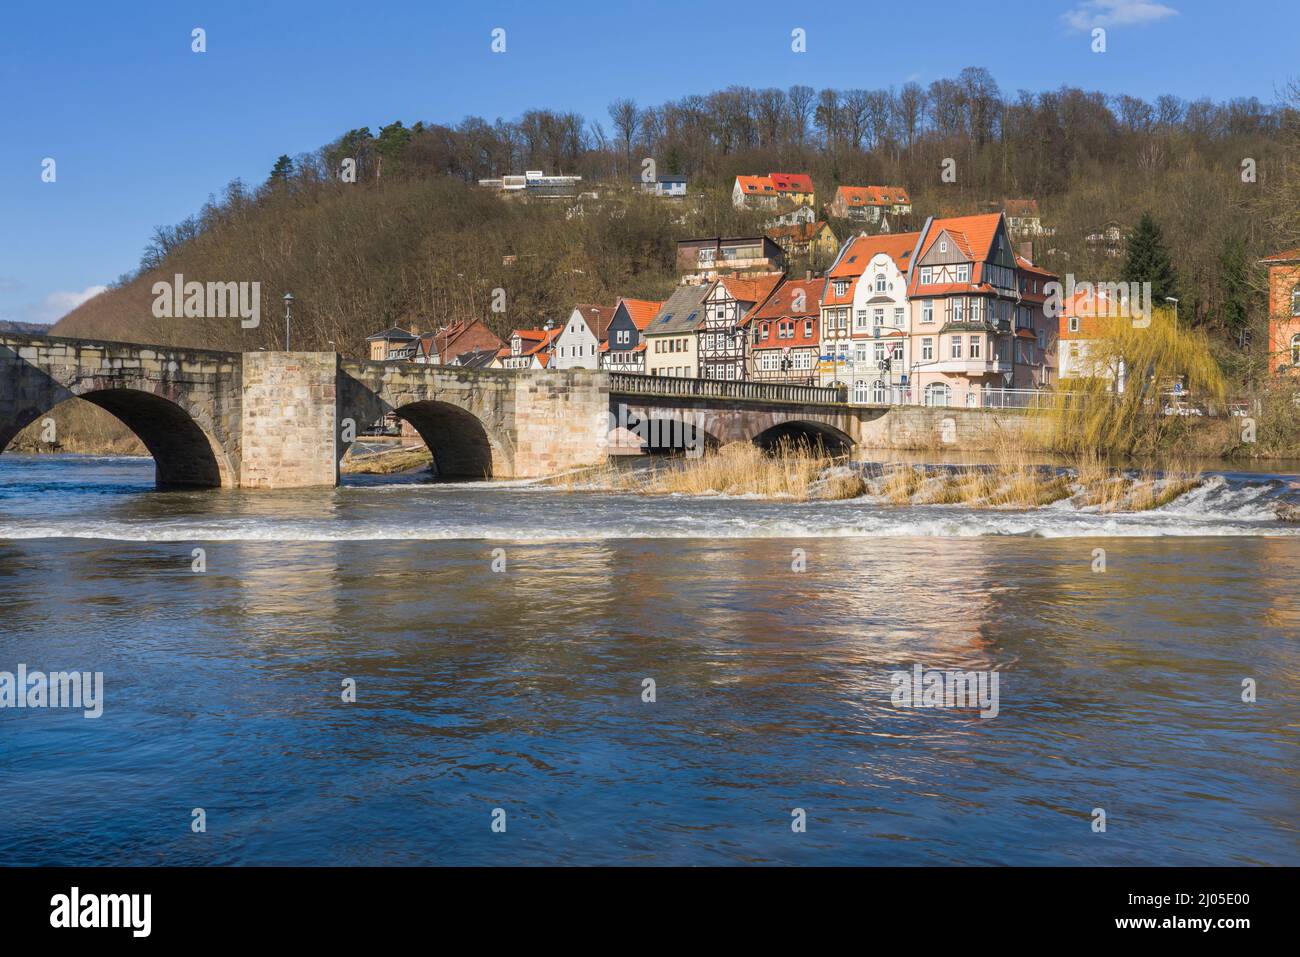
{"type": "Point", "coordinates": [286, 419]}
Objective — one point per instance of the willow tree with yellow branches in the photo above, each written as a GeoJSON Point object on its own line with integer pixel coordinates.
{"type": "Point", "coordinates": [1117, 406]}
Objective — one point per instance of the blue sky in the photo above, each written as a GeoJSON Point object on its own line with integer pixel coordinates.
{"type": "Point", "coordinates": [143, 130]}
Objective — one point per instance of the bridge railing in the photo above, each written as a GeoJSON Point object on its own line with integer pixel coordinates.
{"type": "Point", "coordinates": [631, 383]}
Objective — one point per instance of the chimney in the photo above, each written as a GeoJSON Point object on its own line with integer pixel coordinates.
{"type": "Point", "coordinates": [1027, 251]}
{"type": "Point", "coordinates": [807, 275]}
{"type": "Point", "coordinates": [415, 329]}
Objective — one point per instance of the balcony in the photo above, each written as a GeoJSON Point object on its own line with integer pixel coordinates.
{"type": "Point", "coordinates": [967, 367]}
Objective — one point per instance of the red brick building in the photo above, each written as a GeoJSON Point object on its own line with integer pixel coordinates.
{"type": "Point", "coordinates": [1284, 310]}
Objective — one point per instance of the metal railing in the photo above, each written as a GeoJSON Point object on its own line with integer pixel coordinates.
{"type": "Point", "coordinates": [630, 383]}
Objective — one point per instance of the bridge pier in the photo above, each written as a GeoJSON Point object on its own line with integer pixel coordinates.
{"type": "Point", "coordinates": [289, 430]}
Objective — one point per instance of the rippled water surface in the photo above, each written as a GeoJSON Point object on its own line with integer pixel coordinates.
{"type": "Point", "coordinates": [522, 689]}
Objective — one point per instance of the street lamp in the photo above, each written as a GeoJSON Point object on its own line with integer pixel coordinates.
{"type": "Point", "coordinates": [550, 345]}
{"type": "Point", "coordinates": [1175, 302]}
{"type": "Point", "coordinates": [288, 314]}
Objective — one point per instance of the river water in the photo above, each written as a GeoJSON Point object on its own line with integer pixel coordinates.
{"type": "Point", "coordinates": [500, 635]}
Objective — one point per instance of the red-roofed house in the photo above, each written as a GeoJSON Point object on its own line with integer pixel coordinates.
{"type": "Point", "coordinates": [528, 349]}
{"type": "Point", "coordinates": [783, 333]}
{"type": "Point", "coordinates": [977, 319]}
{"type": "Point", "coordinates": [722, 334]}
{"type": "Point", "coordinates": [870, 204]}
{"type": "Point", "coordinates": [1284, 310]}
{"type": "Point", "coordinates": [763, 192]}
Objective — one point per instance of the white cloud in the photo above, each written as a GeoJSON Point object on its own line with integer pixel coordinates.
{"type": "Point", "coordinates": [1116, 13]}
{"type": "Point", "coordinates": [58, 304]}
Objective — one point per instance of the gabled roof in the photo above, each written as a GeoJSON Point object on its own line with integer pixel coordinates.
{"type": "Point", "coordinates": [781, 304]}
{"type": "Point", "coordinates": [755, 184]}
{"type": "Point", "coordinates": [681, 312]}
{"type": "Point", "coordinates": [534, 341]}
{"type": "Point", "coordinates": [1285, 256]}
{"type": "Point", "coordinates": [860, 250]}
{"type": "Point", "coordinates": [752, 290]}
{"type": "Point", "coordinates": [1021, 208]}
{"type": "Point", "coordinates": [862, 196]}
{"type": "Point", "coordinates": [597, 318]}
{"type": "Point", "coordinates": [640, 311]}
{"type": "Point", "coordinates": [475, 358]}
{"type": "Point", "coordinates": [972, 234]}
{"type": "Point", "coordinates": [791, 182]}
{"type": "Point", "coordinates": [799, 232]}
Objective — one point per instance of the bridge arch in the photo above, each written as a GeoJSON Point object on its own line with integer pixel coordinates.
{"type": "Point", "coordinates": [806, 432]}
{"type": "Point", "coordinates": [184, 450]}
{"type": "Point", "coordinates": [461, 445]}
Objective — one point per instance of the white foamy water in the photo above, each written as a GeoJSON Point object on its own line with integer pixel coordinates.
{"type": "Point", "coordinates": [111, 499]}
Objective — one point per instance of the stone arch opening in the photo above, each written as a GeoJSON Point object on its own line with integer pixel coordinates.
{"type": "Point", "coordinates": [457, 439]}
{"type": "Point", "coordinates": [814, 435]}
{"type": "Point", "coordinates": [671, 435]}
{"type": "Point", "coordinates": [184, 455]}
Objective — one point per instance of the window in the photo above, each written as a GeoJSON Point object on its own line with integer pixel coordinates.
{"type": "Point", "coordinates": [956, 347]}
{"type": "Point", "coordinates": [975, 347]}
{"type": "Point", "coordinates": [898, 316]}
{"type": "Point", "coordinates": [1042, 339]}
{"type": "Point", "coordinates": [624, 336]}
{"type": "Point", "coordinates": [958, 310]}
{"type": "Point", "coordinates": [860, 391]}
{"type": "Point", "coordinates": [926, 274]}
{"type": "Point", "coordinates": [1295, 350]}
{"type": "Point", "coordinates": [878, 392]}
{"type": "Point", "coordinates": [841, 286]}
{"type": "Point", "coordinates": [927, 310]}
{"type": "Point", "coordinates": [937, 393]}
{"type": "Point", "coordinates": [860, 352]}
{"type": "Point", "coordinates": [897, 353]}
{"type": "Point", "coordinates": [943, 245]}
{"type": "Point", "coordinates": [880, 282]}
{"type": "Point", "coordinates": [880, 352]}
{"type": "Point", "coordinates": [1074, 348]}
{"type": "Point", "coordinates": [807, 328]}
{"type": "Point", "coordinates": [1074, 324]}
{"type": "Point", "coordinates": [1295, 301]}
{"type": "Point", "coordinates": [927, 349]}
{"type": "Point", "coordinates": [963, 272]}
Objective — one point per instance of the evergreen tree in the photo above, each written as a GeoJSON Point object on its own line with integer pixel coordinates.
{"type": "Point", "coordinates": [1148, 261]}
{"type": "Point", "coordinates": [282, 170]}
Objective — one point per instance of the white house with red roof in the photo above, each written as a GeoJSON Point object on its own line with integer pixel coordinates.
{"type": "Point", "coordinates": [879, 334]}
{"type": "Point", "coordinates": [527, 349]}
{"type": "Point", "coordinates": [766, 192]}
{"type": "Point", "coordinates": [871, 204]}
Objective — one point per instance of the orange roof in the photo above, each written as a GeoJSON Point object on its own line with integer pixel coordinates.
{"type": "Point", "coordinates": [1285, 256]}
{"type": "Point", "coordinates": [781, 304]}
{"type": "Point", "coordinates": [534, 340]}
{"type": "Point", "coordinates": [791, 182]}
{"type": "Point", "coordinates": [861, 249]}
{"type": "Point", "coordinates": [754, 290]}
{"type": "Point", "coordinates": [828, 291]}
{"type": "Point", "coordinates": [801, 232]}
{"type": "Point", "coordinates": [755, 184]}
{"type": "Point", "coordinates": [972, 234]}
{"type": "Point", "coordinates": [640, 311]}
{"type": "Point", "coordinates": [1094, 309]}
{"type": "Point", "coordinates": [855, 196]}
